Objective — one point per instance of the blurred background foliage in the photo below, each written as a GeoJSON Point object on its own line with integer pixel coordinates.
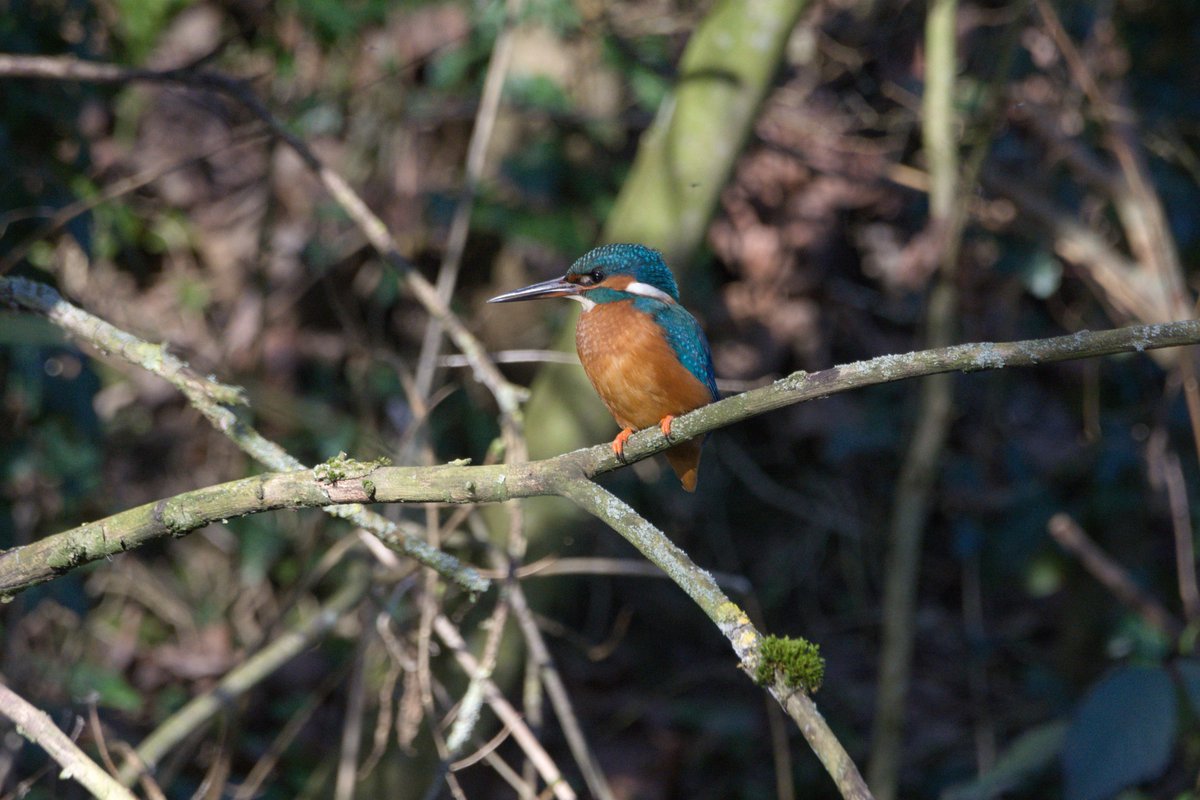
{"type": "Point", "coordinates": [1029, 679]}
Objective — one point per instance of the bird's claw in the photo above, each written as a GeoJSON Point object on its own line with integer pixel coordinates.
{"type": "Point", "coordinates": [618, 444]}
{"type": "Point", "coordinates": [664, 425]}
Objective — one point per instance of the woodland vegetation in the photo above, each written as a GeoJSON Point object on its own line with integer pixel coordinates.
{"type": "Point", "coordinates": [945, 525]}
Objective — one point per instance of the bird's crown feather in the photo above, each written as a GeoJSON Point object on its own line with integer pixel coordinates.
{"type": "Point", "coordinates": [642, 263]}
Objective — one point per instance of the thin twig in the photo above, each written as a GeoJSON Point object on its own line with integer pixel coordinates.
{"type": "Point", "coordinates": [266, 763]}
{"type": "Point", "coordinates": [1158, 272]}
{"type": "Point", "coordinates": [385, 693]}
{"type": "Point", "coordinates": [1138, 205]}
{"type": "Point", "coordinates": [508, 715]}
{"type": "Point", "coordinates": [1185, 548]}
{"type": "Point", "coordinates": [728, 617]}
{"type": "Point", "coordinates": [97, 730]}
{"type": "Point", "coordinates": [532, 702]}
{"type": "Point", "coordinates": [508, 774]}
{"type": "Point", "coordinates": [1115, 274]}
{"type": "Point", "coordinates": [1191, 393]}
{"type": "Point", "coordinates": [551, 566]}
{"type": "Point", "coordinates": [68, 68]}
{"type": "Point", "coordinates": [352, 724]}
{"type": "Point", "coordinates": [131, 183]}
{"type": "Point", "coordinates": [456, 360]}
{"type": "Point", "coordinates": [1166, 474]}
{"type": "Point", "coordinates": [36, 726]}
{"type": "Point", "coordinates": [589, 765]}
{"type": "Point", "coordinates": [147, 782]}
{"type": "Point", "coordinates": [1112, 575]}
{"type": "Point", "coordinates": [245, 676]}
{"type": "Point", "coordinates": [482, 752]}
{"type": "Point", "coordinates": [460, 223]}
{"type": "Point", "coordinates": [977, 676]}
{"type": "Point", "coordinates": [781, 754]}
{"type": "Point", "coordinates": [1079, 71]}
{"type": "Point", "coordinates": [919, 471]}
{"type": "Point", "coordinates": [472, 698]}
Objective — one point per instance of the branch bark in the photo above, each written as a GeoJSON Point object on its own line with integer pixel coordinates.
{"type": "Point", "coordinates": [347, 481]}
{"type": "Point", "coordinates": [729, 618]}
{"type": "Point", "coordinates": [216, 402]}
{"type": "Point", "coordinates": [1112, 576]}
{"type": "Point", "coordinates": [36, 726]}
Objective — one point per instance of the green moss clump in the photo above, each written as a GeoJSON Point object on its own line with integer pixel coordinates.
{"type": "Point", "coordinates": [342, 466]}
{"type": "Point", "coordinates": [797, 661]}
{"type": "Point", "coordinates": [334, 469]}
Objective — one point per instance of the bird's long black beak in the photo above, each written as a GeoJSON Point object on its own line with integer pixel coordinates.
{"type": "Point", "coordinates": [556, 287]}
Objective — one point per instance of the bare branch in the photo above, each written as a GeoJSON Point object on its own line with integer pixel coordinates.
{"type": "Point", "coordinates": [460, 224]}
{"type": "Point", "coordinates": [1166, 475]}
{"type": "Point", "coordinates": [729, 618]}
{"type": "Point", "coordinates": [213, 400]}
{"type": "Point", "coordinates": [1111, 575]}
{"type": "Point", "coordinates": [202, 708]}
{"type": "Point", "coordinates": [36, 726]}
{"type": "Point", "coordinates": [348, 481]}
{"type": "Point", "coordinates": [508, 715]}
{"type": "Point", "coordinates": [918, 474]}
{"type": "Point", "coordinates": [589, 765]}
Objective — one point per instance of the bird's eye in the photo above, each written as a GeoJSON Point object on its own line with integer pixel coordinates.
{"type": "Point", "coordinates": [589, 278]}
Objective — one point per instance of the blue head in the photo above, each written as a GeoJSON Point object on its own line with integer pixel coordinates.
{"type": "Point", "coordinates": [617, 272]}
{"type": "Point", "coordinates": [607, 274]}
{"type": "Point", "coordinates": [613, 265]}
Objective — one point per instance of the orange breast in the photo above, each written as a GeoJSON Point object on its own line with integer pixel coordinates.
{"type": "Point", "coordinates": [634, 369]}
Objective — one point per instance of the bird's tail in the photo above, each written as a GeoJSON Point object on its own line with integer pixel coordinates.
{"type": "Point", "coordinates": [685, 460]}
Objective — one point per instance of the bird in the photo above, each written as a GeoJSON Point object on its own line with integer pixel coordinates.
{"type": "Point", "coordinates": [645, 355]}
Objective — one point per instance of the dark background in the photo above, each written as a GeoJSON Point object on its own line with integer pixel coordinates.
{"type": "Point", "coordinates": [818, 254]}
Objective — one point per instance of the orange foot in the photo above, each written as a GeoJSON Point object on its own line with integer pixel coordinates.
{"type": "Point", "coordinates": [618, 444]}
{"type": "Point", "coordinates": [664, 425]}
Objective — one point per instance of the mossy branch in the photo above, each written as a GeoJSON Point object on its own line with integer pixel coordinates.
{"type": "Point", "coordinates": [788, 669]}
{"type": "Point", "coordinates": [217, 402]}
{"type": "Point", "coordinates": [358, 483]}
{"type": "Point", "coordinates": [344, 481]}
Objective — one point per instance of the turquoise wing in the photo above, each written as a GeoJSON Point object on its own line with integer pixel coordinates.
{"type": "Point", "coordinates": [686, 338]}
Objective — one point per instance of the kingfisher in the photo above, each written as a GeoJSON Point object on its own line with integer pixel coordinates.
{"type": "Point", "coordinates": [646, 356]}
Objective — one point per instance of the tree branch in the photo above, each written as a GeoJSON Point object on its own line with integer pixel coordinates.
{"type": "Point", "coordinates": [1112, 576]}
{"type": "Point", "coordinates": [214, 401]}
{"type": "Point", "coordinates": [36, 726]}
{"type": "Point", "coordinates": [245, 676]}
{"type": "Point", "coordinates": [505, 712]}
{"type": "Point", "coordinates": [460, 223]}
{"type": "Point", "coordinates": [729, 618]}
{"type": "Point", "coordinates": [346, 481]}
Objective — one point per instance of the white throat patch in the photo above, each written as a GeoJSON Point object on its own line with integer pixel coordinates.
{"type": "Point", "coordinates": [588, 305]}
